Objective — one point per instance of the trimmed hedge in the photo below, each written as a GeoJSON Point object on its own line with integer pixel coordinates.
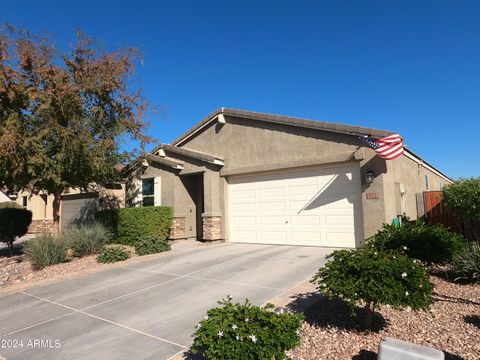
{"type": "Point", "coordinates": [130, 224]}
{"type": "Point", "coordinates": [428, 243]}
{"type": "Point", "coordinates": [14, 222]}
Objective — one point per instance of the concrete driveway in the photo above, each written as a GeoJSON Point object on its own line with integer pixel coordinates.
{"type": "Point", "coordinates": [147, 310]}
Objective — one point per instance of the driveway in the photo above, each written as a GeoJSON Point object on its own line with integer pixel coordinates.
{"type": "Point", "coordinates": [147, 310]}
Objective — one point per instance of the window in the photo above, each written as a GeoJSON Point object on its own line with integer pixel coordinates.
{"type": "Point", "coordinates": [148, 192]}
{"type": "Point", "coordinates": [24, 201]}
{"type": "Point", "coordinates": [426, 182]}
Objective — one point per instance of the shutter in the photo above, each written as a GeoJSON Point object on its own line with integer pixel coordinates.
{"type": "Point", "coordinates": [138, 193]}
{"type": "Point", "coordinates": [157, 191]}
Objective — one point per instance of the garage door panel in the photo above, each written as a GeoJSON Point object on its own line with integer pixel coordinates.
{"type": "Point", "coordinates": [308, 207]}
{"type": "Point", "coordinates": [275, 237]}
{"type": "Point", "coordinates": [272, 206]}
{"type": "Point", "coordinates": [305, 220]}
{"type": "Point", "coordinates": [244, 207]}
{"type": "Point", "coordinates": [306, 237]}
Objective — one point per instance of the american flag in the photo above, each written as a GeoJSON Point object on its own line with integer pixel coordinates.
{"type": "Point", "coordinates": [387, 148]}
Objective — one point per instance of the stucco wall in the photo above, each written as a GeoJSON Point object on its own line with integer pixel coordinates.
{"type": "Point", "coordinates": [411, 175]}
{"type": "Point", "coordinates": [251, 146]}
{"type": "Point", "coordinates": [39, 204]}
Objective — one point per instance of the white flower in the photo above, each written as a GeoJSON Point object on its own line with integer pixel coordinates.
{"type": "Point", "coordinates": [247, 320]}
{"type": "Point", "coordinates": [230, 297]}
{"type": "Point", "coordinates": [237, 337]}
{"type": "Point", "coordinates": [234, 326]}
{"type": "Point", "coordinates": [199, 326]}
{"type": "Point", "coordinates": [394, 257]}
{"type": "Point", "coordinates": [206, 317]}
{"type": "Point", "coordinates": [297, 332]}
{"type": "Point", "coordinates": [324, 285]}
{"type": "Point", "coordinates": [220, 333]}
{"type": "Point", "coordinates": [404, 275]}
{"type": "Point", "coordinates": [253, 338]}
{"type": "Point", "coordinates": [406, 293]}
{"type": "Point", "coordinates": [405, 248]}
{"type": "Point", "coordinates": [375, 253]}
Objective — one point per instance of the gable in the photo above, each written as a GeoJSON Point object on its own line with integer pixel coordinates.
{"type": "Point", "coordinates": [245, 142]}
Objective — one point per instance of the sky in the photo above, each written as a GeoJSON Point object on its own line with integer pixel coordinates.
{"type": "Point", "coordinates": [407, 66]}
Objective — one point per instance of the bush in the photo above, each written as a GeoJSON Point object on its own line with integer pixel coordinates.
{"type": "Point", "coordinates": [130, 224]}
{"type": "Point", "coordinates": [467, 262]}
{"type": "Point", "coordinates": [111, 254]}
{"type": "Point", "coordinates": [463, 197]}
{"type": "Point", "coordinates": [14, 222]}
{"type": "Point", "coordinates": [429, 243]}
{"type": "Point", "coordinates": [151, 244]}
{"type": "Point", "coordinates": [373, 279]}
{"type": "Point", "coordinates": [45, 250]}
{"type": "Point", "coordinates": [87, 239]}
{"type": "Point", "coordinates": [236, 331]}
{"type": "Point", "coordinates": [9, 204]}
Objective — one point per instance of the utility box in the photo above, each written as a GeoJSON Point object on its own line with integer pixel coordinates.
{"type": "Point", "coordinates": [393, 349]}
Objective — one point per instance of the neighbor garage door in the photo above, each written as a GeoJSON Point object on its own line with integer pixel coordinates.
{"type": "Point", "coordinates": [78, 209]}
{"type": "Point", "coordinates": [318, 206]}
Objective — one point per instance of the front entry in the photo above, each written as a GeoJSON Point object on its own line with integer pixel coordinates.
{"type": "Point", "coordinates": [195, 206]}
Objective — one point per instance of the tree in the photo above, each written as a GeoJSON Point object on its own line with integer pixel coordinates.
{"type": "Point", "coordinates": [63, 115]}
{"type": "Point", "coordinates": [374, 278]}
{"type": "Point", "coordinates": [463, 198]}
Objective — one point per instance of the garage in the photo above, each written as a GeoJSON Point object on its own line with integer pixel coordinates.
{"type": "Point", "coordinates": [77, 209]}
{"type": "Point", "coordinates": [319, 206]}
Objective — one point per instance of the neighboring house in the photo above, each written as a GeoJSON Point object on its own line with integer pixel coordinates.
{"type": "Point", "coordinates": [4, 197]}
{"type": "Point", "coordinates": [250, 177]}
{"type": "Point", "coordinates": [75, 206]}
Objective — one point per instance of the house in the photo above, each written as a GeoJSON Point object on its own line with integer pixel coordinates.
{"type": "Point", "coordinates": [75, 206]}
{"type": "Point", "coordinates": [250, 177]}
{"type": "Point", "coordinates": [4, 197]}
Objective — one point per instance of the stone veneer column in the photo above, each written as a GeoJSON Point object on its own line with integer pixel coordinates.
{"type": "Point", "coordinates": [212, 227]}
{"type": "Point", "coordinates": [41, 226]}
{"type": "Point", "coordinates": [178, 228]}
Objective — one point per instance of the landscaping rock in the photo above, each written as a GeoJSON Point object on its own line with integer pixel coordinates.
{"type": "Point", "coordinates": [452, 326]}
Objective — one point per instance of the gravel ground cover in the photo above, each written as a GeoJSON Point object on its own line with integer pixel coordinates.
{"type": "Point", "coordinates": [452, 325]}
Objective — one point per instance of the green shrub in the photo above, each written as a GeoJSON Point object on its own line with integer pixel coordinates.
{"type": "Point", "coordinates": [14, 222]}
{"type": "Point", "coordinates": [151, 244]}
{"type": "Point", "coordinates": [467, 262]}
{"type": "Point", "coordinates": [87, 239]}
{"type": "Point", "coordinates": [243, 331]}
{"type": "Point", "coordinates": [45, 250]}
{"type": "Point", "coordinates": [111, 254]}
{"type": "Point", "coordinates": [463, 197]}
{"type": "Point", "coordinates": [130, 224]}
{"type": "Point", "coordinates": [365, 276]}
{"type": "Point", "coordinates": [429, 243]}
{"type": "Point", "coordinates": [9, 204]}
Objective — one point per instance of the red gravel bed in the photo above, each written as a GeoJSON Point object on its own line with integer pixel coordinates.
{"type": "Point", "coordinates": [452, 325]}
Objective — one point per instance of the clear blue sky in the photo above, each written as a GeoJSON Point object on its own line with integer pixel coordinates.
{"type": "Point", "coordinates": [406, 66]}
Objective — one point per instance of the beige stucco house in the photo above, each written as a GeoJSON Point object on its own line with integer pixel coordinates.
{"type": "Point", "coordinates": [76, 206]}
{"type": "Point", "coordinates": [250, 177]}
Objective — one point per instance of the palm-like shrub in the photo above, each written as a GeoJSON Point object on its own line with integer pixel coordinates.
{"type": "Point", "coordinates": [467, 262]}
{"type": "Point", "coordinates": [45, 250]}
{"type": "Point", "coordinates": [371, 278]}
{"type": "Point", "coordinates": [87, 239]}
{"type": "Point", "coordinates": [428, 243]}
{"type": "Point", "coordinates": [243, 331]}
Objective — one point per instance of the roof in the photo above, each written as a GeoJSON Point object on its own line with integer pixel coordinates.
{"type": "Point", "coordinates": [163, 161]}
{"type": "Point", "coordinates": [285, 120]}
{"type": "Point", "coordinates": [213, 159]}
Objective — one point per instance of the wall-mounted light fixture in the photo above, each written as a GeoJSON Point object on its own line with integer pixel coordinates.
{"type": "Point", "coordinates": [369, 177]}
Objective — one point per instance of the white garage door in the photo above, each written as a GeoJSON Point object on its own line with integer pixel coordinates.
{"type": "Point", "coordinates": [316, 207]}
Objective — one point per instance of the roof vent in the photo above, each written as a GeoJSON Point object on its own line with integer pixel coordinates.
{"type": "Point", "coordinates": [221, 119]}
